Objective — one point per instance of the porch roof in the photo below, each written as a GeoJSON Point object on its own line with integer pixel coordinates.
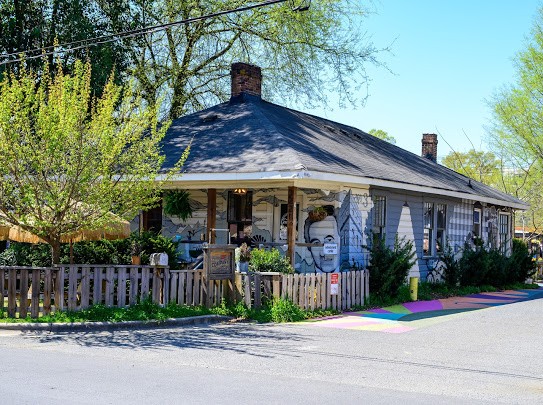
{"type": "Point", "coordinates": [249, 139]}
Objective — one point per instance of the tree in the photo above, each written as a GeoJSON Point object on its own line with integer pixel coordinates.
{"type": "Point", "coordinates": [36, 25]}
{"type": "Point", "coordinates": [303, 54]}
{"type": "Point", "coordinates": [478, 165]}
{"type": "Point", "coordinates": [69, 158]}
{"type": "Point", "coordinates": [518, 122]}
{"type": "Point", "coordinates": [379, 133]}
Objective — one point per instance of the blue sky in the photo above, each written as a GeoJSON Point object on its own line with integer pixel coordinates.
{"type": "Point", "coordinates": [447, 59]}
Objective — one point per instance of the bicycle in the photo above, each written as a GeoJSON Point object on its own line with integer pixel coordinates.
{"type": "Point", "coordinates": [435, 270]}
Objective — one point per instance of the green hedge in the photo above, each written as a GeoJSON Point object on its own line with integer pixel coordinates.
{"type": "Point", "coordinates": [92, 252]}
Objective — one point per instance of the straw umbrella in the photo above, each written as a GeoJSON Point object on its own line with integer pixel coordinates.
{"type": "Point", "coordinates": [116, 228]}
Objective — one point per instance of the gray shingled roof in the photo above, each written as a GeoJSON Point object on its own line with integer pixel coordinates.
{"type": "Point", "coordinates": [248, 134]}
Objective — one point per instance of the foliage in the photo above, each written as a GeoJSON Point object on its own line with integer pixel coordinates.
{"type": "Point", "coordinates": [69, 158]}
{"type": "Point", "coordinates": [478, 165]}
{"type": "Point", "coordinates": [304, 55]}
{"type": "Point", "coordinates": [379, 133]}
{"type": "Point", "coordinates": [92, 252]}
{"type": "Point", "coordinates": [269, 260]}
{"type": "Point", "coordinates": [479, 266]}
{"type": "Point", "coordinates": [518, 123]}
{"type": "Point", "coordinates": [521, 265]}
{"type": "Point", "coordinates": [389, 267]}
{"type": "Point", "coordinates": [451, 270]}
{"type": "Point", "coordinates": [177, 204]}
{"type": "Point", "coordinates": [37, 24]}
{"type": "Point", "coordinates": [283, 310]}
{"type": "Point", "coordinates": [244, 253]}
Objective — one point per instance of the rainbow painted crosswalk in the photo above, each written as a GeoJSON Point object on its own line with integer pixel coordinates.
{"type": "Point", "coordinates": [413, 315]}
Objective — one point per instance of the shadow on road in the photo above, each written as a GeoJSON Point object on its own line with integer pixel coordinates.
{"type": "Point", "coordinates": [240, 338]}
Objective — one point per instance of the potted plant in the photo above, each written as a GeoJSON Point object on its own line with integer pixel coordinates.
{"type": "Point", "coordinates": [243, 256]}
{"type": "Point", "coordinates": [135, 250]}
{"type": "Point", "coordinates": [318, 214]}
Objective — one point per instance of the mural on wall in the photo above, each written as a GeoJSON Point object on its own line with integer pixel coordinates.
{"type": "Point", "coordinates": [323, 231]}
{"type": "Point", "coordinates": [350, 230]}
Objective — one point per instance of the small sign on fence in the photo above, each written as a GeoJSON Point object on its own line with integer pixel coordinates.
{"type": "Point", "coordinates": [334, 284]}
{"type": "Point", "coordinates": [219, 262]}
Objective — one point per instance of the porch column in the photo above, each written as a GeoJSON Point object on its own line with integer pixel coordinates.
{"type": "Point", "coordinates": [291, 224]}
{"type": "Point", "coordinates": [211, 214]}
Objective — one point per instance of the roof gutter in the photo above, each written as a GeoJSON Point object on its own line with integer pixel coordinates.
{"type": "Point", "coordinates": [305, 178]}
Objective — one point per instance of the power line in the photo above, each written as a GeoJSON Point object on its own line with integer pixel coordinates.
{"type": "Point", "coordinates": [85, 43]}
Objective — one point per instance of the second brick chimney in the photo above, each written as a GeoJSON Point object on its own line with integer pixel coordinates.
{"type": "Point", "coordinates": [429, 146]}
{"type": "Point", "coordinates": [246, 78]}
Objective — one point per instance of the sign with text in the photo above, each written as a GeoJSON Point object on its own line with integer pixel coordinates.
{"type": "Point", "coordinates": [334, 284]}
{"type": "Point", "coordinates": [219, 262]}
{"type": "Point", "coordinates": [330, 249]}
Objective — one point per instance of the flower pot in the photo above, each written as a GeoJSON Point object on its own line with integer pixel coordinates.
{"type": "Point", "coordinates": [136, 260]}
{"type": "Point", "coordinates": [243, 267]}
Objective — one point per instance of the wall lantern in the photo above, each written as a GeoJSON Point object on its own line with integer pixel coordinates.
{"type": "Point", "coordinates": [240, 191]}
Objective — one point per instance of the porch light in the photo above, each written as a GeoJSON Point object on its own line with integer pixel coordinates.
{"type": "Point", "coordinates": [240, 191]}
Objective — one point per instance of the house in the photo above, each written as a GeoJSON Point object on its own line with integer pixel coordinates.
{"type": "Point", "coordinates": [274, 176]}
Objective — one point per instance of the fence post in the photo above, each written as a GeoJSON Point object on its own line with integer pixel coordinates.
{"type": "Point", "coordinates": [12, 292]}
{"type": "Point", "coordinates": [258, 295]}
{"type": "Point", "coordinates": [35, 303]}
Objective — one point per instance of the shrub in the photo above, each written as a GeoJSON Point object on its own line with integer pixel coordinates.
{"type": "Point", "coordinates": [269, 260]}
{"type": "Point", "coordinates": [451, 269]}
{"type": "Point", "coordinates": [521, 265]}
{"type": "Point", "coordinates": [285, 311]}
{"type": "Point", "coordinates": [91, 252]}
{"type": "Point", "coordinates": [389, 267]}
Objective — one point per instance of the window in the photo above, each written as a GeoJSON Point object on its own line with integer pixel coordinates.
{"type": "Point", "coordinates": [504, 232]}
{"type": "Point", "coordinates": [441, 228]}
{"type": "Point", "coordinates": [240, 215]}
{"type": "Point", "coordinates": [428, 229]}
{"type": "Point", "coordinates": [477, 223]}
{"type": "Point", "coordinates": [379, 216]}
{"type": "Point", "coordinates": [151, 220]}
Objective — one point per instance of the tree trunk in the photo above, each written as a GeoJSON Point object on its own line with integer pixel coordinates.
{"type": "Point", "coordinates": [55, 252]}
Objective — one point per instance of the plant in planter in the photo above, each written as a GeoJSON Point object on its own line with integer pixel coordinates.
{"type": "Point", "coordinates": [264, 260]}
{"type": "Point", "coordinates": [135, 251]}
{"type": "Point", "coordinates": [177, 204]}
{"type": "Point", "coordinates": [243, 256]}
{"type": "Point", "coordinates": [318, 214]}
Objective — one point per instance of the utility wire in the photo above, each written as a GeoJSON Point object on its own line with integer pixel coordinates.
{"type": "Point", "coordinates": [84, 43]}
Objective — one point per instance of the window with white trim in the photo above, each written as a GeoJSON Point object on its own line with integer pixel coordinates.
{"type": "Point", "coordinates": [428, 229]}
{"type": "Point", "coordinates": [379, 216]}
{"type": "Point", "coordinates": [441, 230]}
{"type": "Point", "coordinates": [477, 223]}
{"type": "Point", "coordinates": [503, 222]}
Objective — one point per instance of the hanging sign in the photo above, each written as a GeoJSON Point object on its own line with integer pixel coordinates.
{"type": "Point", "coordinates": [330, 249]}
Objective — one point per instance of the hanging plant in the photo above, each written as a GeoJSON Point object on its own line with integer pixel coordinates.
{"type": "Point", "coordinates": [177, 204]}
{"type": "Point", "coordinates": [318, 214]}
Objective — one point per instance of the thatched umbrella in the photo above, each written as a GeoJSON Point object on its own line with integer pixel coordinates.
{"type": "Point", "coordinates": [117, 228]}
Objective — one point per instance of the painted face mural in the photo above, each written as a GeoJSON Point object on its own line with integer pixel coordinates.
{"type": "Point", "coordinates": [325, 231]}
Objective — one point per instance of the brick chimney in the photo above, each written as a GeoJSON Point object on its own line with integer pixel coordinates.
{"type": "Point", "coordinates": [429, 146]}
{"type": "Point", "coordinates": [246, 78]}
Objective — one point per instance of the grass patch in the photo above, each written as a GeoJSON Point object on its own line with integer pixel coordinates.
{"type": "Point", "coordinates": [278, 311]}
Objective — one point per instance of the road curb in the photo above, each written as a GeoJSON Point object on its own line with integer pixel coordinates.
{"type": "Point", "coordinates": [105, 326]}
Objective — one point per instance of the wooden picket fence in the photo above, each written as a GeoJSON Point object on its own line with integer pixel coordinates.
{"type": "Point", "coordinates": [41, 291]}
{"type": "Point", "coordinates": [308, 291]}
{"type": "Point", "coordinates": [38, 291]}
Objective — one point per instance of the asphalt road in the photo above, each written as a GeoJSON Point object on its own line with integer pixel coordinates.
{"type": "Point", "coordinates": [484, 356]}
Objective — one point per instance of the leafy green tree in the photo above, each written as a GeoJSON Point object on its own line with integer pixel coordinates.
{"type": "Point", "coordinates": [379, 133]}
{"type": "Point", "coordinates": [37, 24]}
{"type": "Point", "coordinates": [69, 158]}
{"type": "Point", "coordinates": [478, 165]}
{"type": "Point", "coordinates": [304, 55]}
{"type": "Point", "coordinates": [518, 124]}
